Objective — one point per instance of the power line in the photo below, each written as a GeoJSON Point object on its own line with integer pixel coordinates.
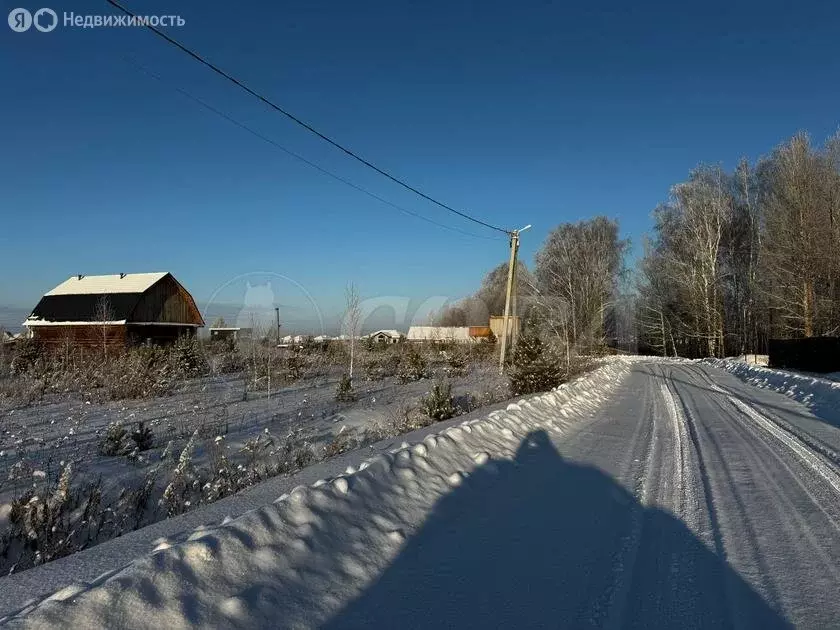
{"type": "Point", "coordinates": [300, 122]}
{"type": "Point", "coordinates": [297, 156]}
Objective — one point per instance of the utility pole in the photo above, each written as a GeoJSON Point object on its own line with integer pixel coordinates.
{"type": "Point", "coordinates": [277, 313]}
{"type": "Point", "coordinates": [511, 294]}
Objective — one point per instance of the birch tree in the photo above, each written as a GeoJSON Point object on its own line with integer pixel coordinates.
{"type": "Point", "coordinates": [801, 246]}
{"type": "Point", "coordinates": [104, 315]}
{"type": "Point", "coordinates": [352, 320]}
{"type": "Point", "coordinates": [576, 273]}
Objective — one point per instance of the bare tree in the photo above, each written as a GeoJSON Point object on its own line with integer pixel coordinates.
{"type": "Point", "coordinates": [802, 194]}
{"type": "Point", "coordinates": [352, 320]}
{"type": "Point", "coordinates": [488, 300]}
{"type": "Point", "coordinates": [738, 259]}
{"type": "Point", "coordinates": [576, 274]}
{"type": "Point", "coordinates": [104, 316]}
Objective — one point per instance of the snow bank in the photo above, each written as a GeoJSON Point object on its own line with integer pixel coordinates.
{"type": "Point", "coordinates": [298, 561]}
{"type": "Point", "coordinates": [820, 395]}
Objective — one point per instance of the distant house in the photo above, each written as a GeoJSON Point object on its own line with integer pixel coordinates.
{"type": "Point", "coordinates": [7, 337]}
{"type": "Point", "coordinates": [440, 334]}
{"type": "Point", "coordinates": [115, 310]}
{"type": "Point", "coordinates": [385, 336]}
{"type": "Point", "coordinates": [293, 339]}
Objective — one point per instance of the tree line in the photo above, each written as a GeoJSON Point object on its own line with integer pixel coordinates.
{"type": "Point", "coordinates": [739, 258]}
{"type": "Point", "coordinates": [734, 259]}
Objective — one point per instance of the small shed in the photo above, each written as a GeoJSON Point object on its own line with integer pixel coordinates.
{"type": "Point", "coordinates": [115, 310]}
{"type": "Point", "coordinates": [497, 325]}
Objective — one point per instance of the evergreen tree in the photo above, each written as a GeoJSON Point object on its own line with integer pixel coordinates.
{"type": "Point", "coordinates": [534, 368]}
{"type": "Point", "coordinates": [345, 392]}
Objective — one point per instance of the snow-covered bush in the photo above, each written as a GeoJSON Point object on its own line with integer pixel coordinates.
{"type": "Point", "coordinates": [113, 442]}
{"type": "Point", "coordinates": [344, 392]}
{"type": "Point", "coordinates": [413, 366]}
{"type": "Point", "coordinates": [28, 354]}
{"type": "Point", "coordinates": [456, 362]}
{"type": "Point", "coordinates": [438, 404]}
{"type": "Point", "coordinates": [188, 358]}
{"type": "Point", "coordinates": [340, 443]}
{"type": "Point", "coordinates": [142, 437]}
{"type": "Point", "coordinates": [303, 456]}
{"type": "Point", "coordinates": [380, 364]}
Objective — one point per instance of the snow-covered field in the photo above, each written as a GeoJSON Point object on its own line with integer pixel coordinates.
{"type": "Point", "coordinates": [296, 562]}
{"type": "Point", "coordinates": [254, 432]}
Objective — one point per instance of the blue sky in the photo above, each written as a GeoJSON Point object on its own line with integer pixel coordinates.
{"type": "Point", "coordinates": [517, 112]}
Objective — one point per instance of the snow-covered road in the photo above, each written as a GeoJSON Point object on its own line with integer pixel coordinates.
{"type": "Point", "coordinates": [648, 494]}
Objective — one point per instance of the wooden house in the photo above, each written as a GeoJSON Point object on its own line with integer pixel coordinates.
{"type": "Point", "coordinates": [115, 310]}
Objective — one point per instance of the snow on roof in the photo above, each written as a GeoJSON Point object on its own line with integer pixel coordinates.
{"type": "Point", "coordinates": [439, 333]}
{"type": "Point", "coordinates": [115, 283]}
{"type": "Point", "coordinates": [390, 332]}
{"type": "Point", "coordinates": [45, 322]}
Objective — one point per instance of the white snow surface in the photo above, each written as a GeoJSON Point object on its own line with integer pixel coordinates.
{"type": "Point", "coordinates": [820, 395]}
{"type": "Point", "coordinates": [113, 283]}
{"type": "Point", "coordinates": [298, 562]}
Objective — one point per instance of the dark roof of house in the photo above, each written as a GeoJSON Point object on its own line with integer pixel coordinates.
{"type": "Point", "coordinates": [85, 307]}
{"type": "Point", "coordinates": [81, 300]}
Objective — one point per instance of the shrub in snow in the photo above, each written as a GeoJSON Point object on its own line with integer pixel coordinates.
{"type": "Point", "coordinates": [340, 444]}
{"type": "Point", "coordinates": [28, 353]}
{"type": "Point", "coordinates": [176, 495]}
{"type": "Point", "coordinates": [344, 392]}
{"type": "Point", "coordinates": [113, 442]}
{"type": "Point", "coordinates": [44, 521]}
{"type": "Point", "coordinates": [466, 403]}
{"type": "Point", "coordinates": [303, 456]}
{"type": "Point", "coordinates": [534, 368]}
{"type": "Point", "coordinates": [294, 366]}
{"type": "Point", "coordinates": [143, 437]}
{"type": "Point", "coordinates": [413, 367]}
{"type": "Point", "coordinates": [438, 403]}
{"type": "Point", "coordinates": [167, 452]}
{"type": "Point", "coordinates": [133, 503]}
{"type": "Point", "coordinates": [188, 357]}
{"type": "Point", "coordinates": [456, 362]}
{"type": "Point", "coordinates": [376, 432]}
{"type": "Point", "coordinates": [381, 363]}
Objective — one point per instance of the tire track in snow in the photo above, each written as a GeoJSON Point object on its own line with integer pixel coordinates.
{"type": "Point", "coordinates": [746, 527]}
{"type": "Point", "coordinates": [832, 519]}
{"type": "Point", "coordinates": [808, 456]}
{"type": "Point", "coordinates": [805, 452]}
{"type": "Point", "coordinates": [803, 528]}
{"type": "Point", "coordinates": [608, 610]}
{"type": "Point", "coordinates": [705, 506]}
{"type": "Point", "coordinates": [677, 424]}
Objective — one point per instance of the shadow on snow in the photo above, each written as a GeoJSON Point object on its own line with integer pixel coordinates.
{"type": "Point", "coordinates": [542, 542]}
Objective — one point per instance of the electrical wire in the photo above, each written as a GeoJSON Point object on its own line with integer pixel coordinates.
{"type": "Point", "coordinates": [300, 122]}
{"type": "Point", "coordinates": [297, 156]}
